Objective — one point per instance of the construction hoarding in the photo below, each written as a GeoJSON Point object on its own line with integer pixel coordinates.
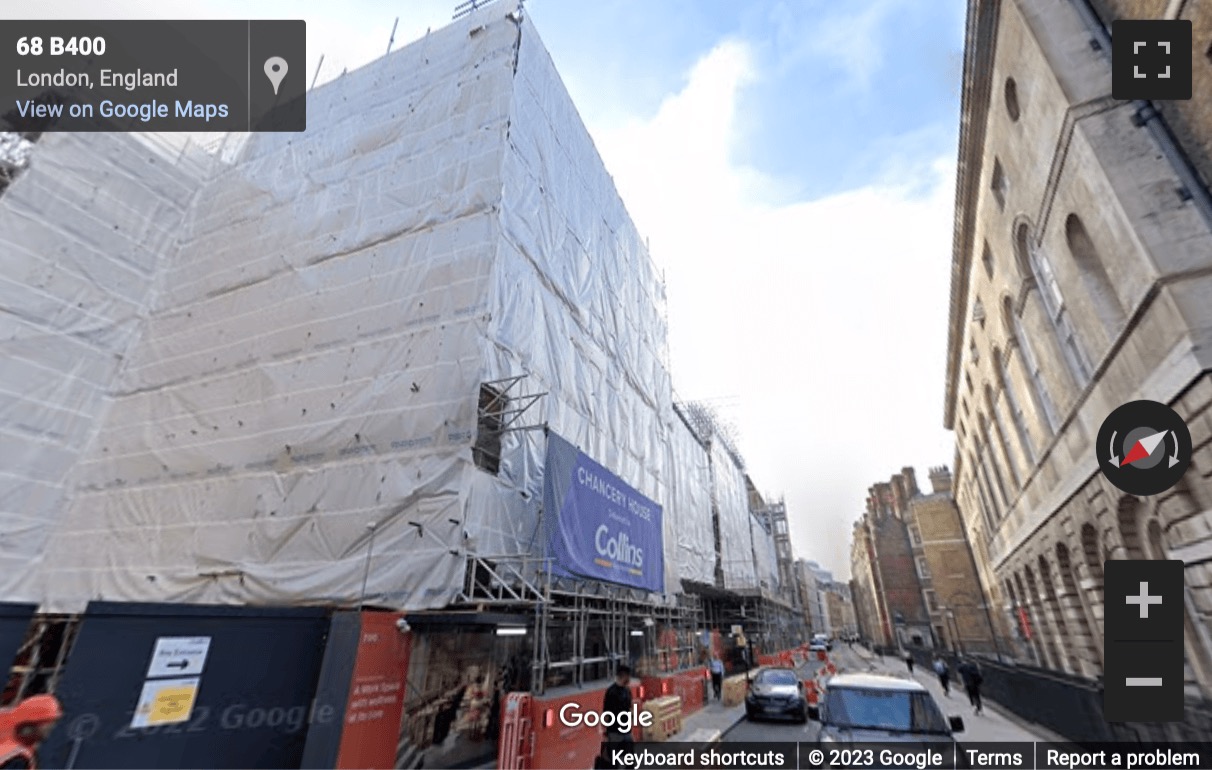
{"type": "Point", "coordinates": [364, 677]}
{"type": "Point", "coordinates": [14, 625]}
{"type": "Point", "coordinates": [190, 686]}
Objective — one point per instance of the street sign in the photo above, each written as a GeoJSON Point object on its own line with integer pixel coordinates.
{"type": "Point", "coordinates": [178, 656]}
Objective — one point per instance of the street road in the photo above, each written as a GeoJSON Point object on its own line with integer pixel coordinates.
{"type": "Point", "coordinates": [991, 725]}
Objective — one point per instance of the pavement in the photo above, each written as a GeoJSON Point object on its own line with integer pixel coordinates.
{"type": "Point", "coordinates": [993, 724]}
{"type": "Point", "coordinates": [710, 723]}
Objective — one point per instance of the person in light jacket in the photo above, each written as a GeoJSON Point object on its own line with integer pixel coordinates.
{"type": "Point", "coordinates": [944, 675]}
{"type": "Point", "coordinates": [717, 675]}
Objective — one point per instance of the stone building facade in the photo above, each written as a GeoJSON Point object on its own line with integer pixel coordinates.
{"type": "Point", "coordinates": [868, 613]}
{"type": "Point", "coordinates": [1081, 280]}
{"type": "Point", "coordinates": [812, 581]}
{"type": "Point", "coordinates": [840, 609]}
{"type": "Point", "coordinates": [953, 595]}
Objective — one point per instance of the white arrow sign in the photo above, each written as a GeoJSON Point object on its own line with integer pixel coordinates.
{"type": "Point", "coordinates": [179, 656]}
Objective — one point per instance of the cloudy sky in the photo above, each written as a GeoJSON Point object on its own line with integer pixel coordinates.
{"type": "Point", "coordinates": [792, 163]}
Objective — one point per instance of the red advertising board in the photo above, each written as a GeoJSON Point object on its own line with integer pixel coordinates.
{"type": "Point", "coordinates": [376, 695]}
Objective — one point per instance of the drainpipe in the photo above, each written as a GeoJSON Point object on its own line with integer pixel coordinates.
{"type": "Point", "coordinates": [1149, 117]}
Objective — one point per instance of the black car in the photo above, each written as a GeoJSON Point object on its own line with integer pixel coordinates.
{"type": "Point", "coordinates": [777, 693]}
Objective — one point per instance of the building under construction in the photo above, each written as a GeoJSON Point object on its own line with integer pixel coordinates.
{"type": "Point", "coordinates": [410, 364]}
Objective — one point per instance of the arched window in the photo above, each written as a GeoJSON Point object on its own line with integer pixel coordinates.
{"type": "Point", "coordinates": [987, 261]}
{"type": "Point", "coordinates": [1091, 553]}
{"type": "Point", "coordinates": [986, 509]}
{"type": "Point", "coordinates": [999, 427]}
{"type": "Point", "coordinates": [1054, 303]}
{"type": "Point", "coordinates": [1097, 283]}
{"type": "Point", "coordinates": [1039, 389]}
{"type": "Point", "coordinates": [1016, 410]}
{"type": "Point", "coordinates": [991, 461]}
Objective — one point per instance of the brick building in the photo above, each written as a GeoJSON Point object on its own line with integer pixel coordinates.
{"type": "Point", "coordinates": [884, 555]}
{"type": "Point", "coordinates": [958, 610]}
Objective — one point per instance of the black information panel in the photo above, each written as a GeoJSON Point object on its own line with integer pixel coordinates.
{"type": "Point", "coordinates": [153, 76]}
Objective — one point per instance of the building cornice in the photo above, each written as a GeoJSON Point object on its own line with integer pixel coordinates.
{"type": "Point", "coordinates": [980, 47]}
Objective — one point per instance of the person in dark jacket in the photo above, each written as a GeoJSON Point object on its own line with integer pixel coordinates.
{"type": "Point", "coordinates": [617, 701]}
{"type": "Point", "coordinates": [971, 675]}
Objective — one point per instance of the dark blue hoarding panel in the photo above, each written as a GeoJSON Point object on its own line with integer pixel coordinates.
{"type": "Point", "coordinates": [14, 625]}
{"type": "Point", "coordinates": [599, 527]}
{"type": "Point", "coordinates": [254, 674]}
{"type": "Point", "coordinates": [336, 675]}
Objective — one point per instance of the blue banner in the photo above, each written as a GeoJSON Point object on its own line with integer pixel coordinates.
{"type": "Point", "coordinates": [598, 527]}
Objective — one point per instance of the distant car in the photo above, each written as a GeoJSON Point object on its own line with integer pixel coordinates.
{"type": "Point", "coordinates": [873, 708]}
{"type": "Point", "coordinates": [818, 647]}
{"type": "Point", "coordinates": [777, 693]}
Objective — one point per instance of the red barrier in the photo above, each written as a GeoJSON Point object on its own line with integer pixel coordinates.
{"type": "Point", "coordinates": [516, 747]}
{"type": "Point", "coordinates": [811, 692]}
{"type": "Point", "coordinates": [686, 684]}
{"type": "Point", "coordinates": [532, 735]}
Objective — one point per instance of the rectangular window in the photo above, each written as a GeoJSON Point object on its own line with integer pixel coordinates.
{"type": "Point", "coordinates": [489, 429]}
{"type": "Point", "coordinates": [931, 600]}
{"type": "Point", "coordinates": [923, 568]}
{"type": "Point", "coordinates": [998, 183]}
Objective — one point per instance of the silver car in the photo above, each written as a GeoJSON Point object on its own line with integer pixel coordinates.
{"type": "Point", "coordinates": [777, 693]}
{"type": "Point", "coordinates": [870, 708]}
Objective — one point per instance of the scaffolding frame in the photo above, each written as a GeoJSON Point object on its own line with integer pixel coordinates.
{"type": "Point", "coordinates": [616, 614]}
{"type": "Point", "coordinates": [768, 621]}
{"type": "Point", "coordinates": [41, 657]}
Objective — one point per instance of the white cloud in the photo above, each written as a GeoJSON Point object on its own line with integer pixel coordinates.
{"type": "Point", "coordinates": [825, 318]}
{"type": "Point", "coordinates": [849, 37]}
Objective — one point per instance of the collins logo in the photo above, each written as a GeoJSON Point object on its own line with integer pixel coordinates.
{"type": "Point", "coordinates": [618, 548]}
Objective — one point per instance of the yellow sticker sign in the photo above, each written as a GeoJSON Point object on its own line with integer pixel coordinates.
{"type": "Point", "coordinates": [166, 701]}
{"type": "Point", "coordinates": [172, 704]}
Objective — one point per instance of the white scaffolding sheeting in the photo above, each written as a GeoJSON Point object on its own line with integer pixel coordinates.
{"type": "Point", "coordinates": [765, 560]}
{"type": "Point", "coordinates": [298, 347]}
{"type": "Point", "coordinates": [83, 232]}
{"type": "Point", "coordinates": [688, 516]}
{"type": "Point", "coordinates": [732, 504]}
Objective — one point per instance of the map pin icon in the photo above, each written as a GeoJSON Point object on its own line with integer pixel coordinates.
{"type": "Point", "coordinates": [275, 70]}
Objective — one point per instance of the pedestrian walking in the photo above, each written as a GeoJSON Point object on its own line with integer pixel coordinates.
{"type": "Point", "coordinates": [717, 675]}
{"type": "Point", "coordinates": [944, 675]}
{"type": "Point", "coordinates": [970, 674]}
{"type": "Point", "coordinates": [617, 701]}
{"type": "Point", "coordinates": [909, 661]}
